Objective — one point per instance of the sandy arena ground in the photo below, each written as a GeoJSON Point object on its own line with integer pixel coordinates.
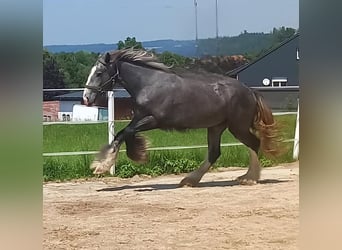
{"type": "Point", "coordinates": [152, 213]}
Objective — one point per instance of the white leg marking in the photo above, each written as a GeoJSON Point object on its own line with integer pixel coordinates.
{"type": "Point", "coordinates": [104, 165]}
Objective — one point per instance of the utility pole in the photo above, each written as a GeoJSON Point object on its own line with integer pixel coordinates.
{"type": "Point", "coordinates": [216, 21]}
{"type": "Point", "coordinates": [217, 45]}
{"type": "Point", "coordinates": [196, 45]}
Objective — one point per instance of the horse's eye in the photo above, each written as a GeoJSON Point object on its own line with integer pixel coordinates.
{"type": "Point", "coordinates": [98, 73]}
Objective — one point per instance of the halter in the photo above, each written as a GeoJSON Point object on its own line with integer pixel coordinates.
{"type": "Point", "coordinates": [107, 85]}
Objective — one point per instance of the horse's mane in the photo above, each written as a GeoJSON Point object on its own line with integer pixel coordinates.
{"type": "Point", "coordinates": [141, 57]}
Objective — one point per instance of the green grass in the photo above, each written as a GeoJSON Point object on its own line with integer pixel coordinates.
{"type": "Point", "coordinates": [90, 137]}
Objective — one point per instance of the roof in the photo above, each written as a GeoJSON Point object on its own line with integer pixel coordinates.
{"type": "Point", "coordinates": [241, 68]}
{"type": "Point", "coordinates": [118, 93]}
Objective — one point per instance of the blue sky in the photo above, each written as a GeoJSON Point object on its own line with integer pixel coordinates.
{"type": "Point", "coordinates": [108, 21]}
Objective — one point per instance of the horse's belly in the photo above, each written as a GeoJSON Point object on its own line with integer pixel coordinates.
{"type": "Point", "coordinates": [195, 117]}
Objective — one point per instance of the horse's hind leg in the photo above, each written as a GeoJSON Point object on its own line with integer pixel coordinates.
{"type": "Point", "coordinates": [253, 172]}
{"type": "Point", "coordinates": [253, 144]}
{"type": "Point", "coordinates": [214, 139]}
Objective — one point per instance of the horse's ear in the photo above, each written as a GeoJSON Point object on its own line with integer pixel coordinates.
{"type": "Point", "coordinates": [107, 58]}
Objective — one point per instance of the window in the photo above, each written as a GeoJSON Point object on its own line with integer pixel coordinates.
{"type": "Point", "coordinates": [279, 81]}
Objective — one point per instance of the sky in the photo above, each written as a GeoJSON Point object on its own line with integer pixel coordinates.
{"type": "Point", "coordinates": [67, 22]}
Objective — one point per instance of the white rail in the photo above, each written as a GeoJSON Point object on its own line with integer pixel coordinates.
{"type": "Point", "coordinates": [73, 89]}
{"type": "Point", "coordinates": [150, 149]}
{"type": "Point", "coordinates": [105, 121]}
{"type": "Point", "coordinates": [296, 139]}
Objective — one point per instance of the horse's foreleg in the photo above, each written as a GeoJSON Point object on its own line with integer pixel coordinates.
{"type": "Point", "coordinates": [108, 154]}
{"type": "Point", "coordinates": [106, 158]}
{"type": "Point", "coordinates": [214, 140]}
{"type": "Point", "coordinates": [136, 144]}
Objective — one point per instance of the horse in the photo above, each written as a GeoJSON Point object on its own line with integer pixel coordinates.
{"type": "Point", "coordinates": [164, 99]}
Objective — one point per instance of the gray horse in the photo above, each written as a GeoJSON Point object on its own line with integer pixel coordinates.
{"type": "Point", "coordinates": [166, 100]}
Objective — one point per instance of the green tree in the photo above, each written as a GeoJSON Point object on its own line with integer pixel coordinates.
{"type": "Point", "coordinates": [171, 59]}
{"type": "Point", "coordinates": [53, 77]}
{"type": "Point", "coordinates": [250, 44]}
{"type": "Point", "coordinates": [76, 67]}
{"type": "Point", "coordinates": [281, 34]}
{"type": "Point", "coordinates": [130, 43]}
{"type": "Point", "coordinates": [276, 37]}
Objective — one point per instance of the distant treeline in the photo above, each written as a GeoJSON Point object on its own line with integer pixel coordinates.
{"type": "Point", "coordinates": [250, 45]}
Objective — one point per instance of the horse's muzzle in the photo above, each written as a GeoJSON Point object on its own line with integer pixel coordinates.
{"type": "Point", "coordinates": [86, 101]}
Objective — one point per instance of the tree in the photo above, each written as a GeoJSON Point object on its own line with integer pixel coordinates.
{"type": "Point", "coordinates": [130, 43]}
{"type": "Point", "coordinates": [276, 37]}
{"type": "Point", "coordinates": [281, 34]}
{"type": "Point", "coordinates": [76, 67]}
{"type": "Point", "coordinates": [53, 77]}
{"type": "Point", "coordinates": [174, 60]}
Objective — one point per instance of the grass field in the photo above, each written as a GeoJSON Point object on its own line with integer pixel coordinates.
{"type": "Point", "coordinates": [90, 137]}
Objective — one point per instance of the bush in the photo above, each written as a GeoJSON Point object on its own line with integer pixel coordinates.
{"type": "Point", "coordinates": [174, 60]}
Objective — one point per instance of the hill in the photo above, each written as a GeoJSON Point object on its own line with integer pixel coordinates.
{"type": "Point", "coordinates": [184, 48]}
{"type": "Point", "coordinates": [245, 43]}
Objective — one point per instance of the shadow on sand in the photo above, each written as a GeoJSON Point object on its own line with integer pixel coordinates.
{"type": "Point", "coordinates": [152, 187]}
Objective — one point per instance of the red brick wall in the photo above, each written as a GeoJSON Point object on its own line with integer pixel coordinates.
{"type": "Point", "coordinates": [123, 108]}
{"type": "Point", "coordinates": [50, 110]}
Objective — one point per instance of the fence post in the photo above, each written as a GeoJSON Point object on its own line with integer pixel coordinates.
{"type": "Point", "coordinates": [296, 139]}
{"type": "Point", "coordinates": [111, 132]}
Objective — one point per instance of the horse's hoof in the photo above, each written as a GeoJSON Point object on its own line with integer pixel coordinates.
{"type": "Point", "coordinates": [94, 164]}
{"type": "Point", "coordinates": [246, 180]}
{"type": "Point", "coordinates": [100, 169]}
{"type": "Point", "coordinates": [105, 160]}
{"type": "Point", "coordinates": [188, 182]}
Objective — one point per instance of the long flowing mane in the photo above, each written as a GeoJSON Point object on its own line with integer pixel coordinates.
{"type": "Point", "coordinates": [140, 57]}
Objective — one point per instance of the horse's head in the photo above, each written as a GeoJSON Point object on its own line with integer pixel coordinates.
{"type": "Point", "coordinates": [105, 73]}
{"type": "Point", "coordinates": [102, 78]}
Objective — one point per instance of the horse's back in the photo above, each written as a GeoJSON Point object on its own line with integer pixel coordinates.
{"type": "Point", "coordinates": [226, 88]}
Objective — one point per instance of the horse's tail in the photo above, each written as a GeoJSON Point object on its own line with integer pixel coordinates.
{"type": "Point", "coordinates": [266, 128]}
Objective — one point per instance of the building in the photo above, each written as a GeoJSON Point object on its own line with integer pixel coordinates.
{"type": "Point", "coordinates": [276, 74]}
{"type": "Point", "coordinates": [61, 108]}
{"type": "Point", "coordinates": [50, 111]}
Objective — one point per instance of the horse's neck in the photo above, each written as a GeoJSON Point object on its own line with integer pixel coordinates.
{"type": "Point", "coordinates": [134, 77]}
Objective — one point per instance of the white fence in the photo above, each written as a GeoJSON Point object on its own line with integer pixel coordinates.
{"type": "Point", "coordinates": [111, 133]}
{"type": "Point", "coordinates": [111, 128]}
{"type": "Point", "coordinates": [150, 149]}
